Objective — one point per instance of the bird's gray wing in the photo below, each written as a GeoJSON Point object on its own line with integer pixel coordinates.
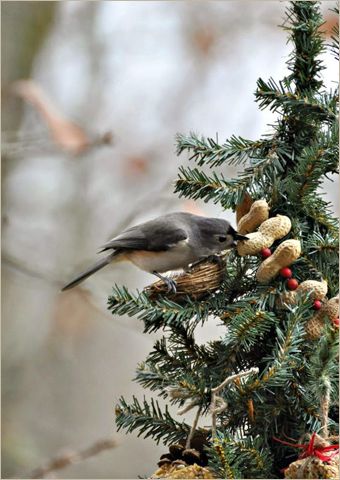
{"type": "Point", "coordinates": [152, 237]}
{"type": "Point", "coordinates": [130, 239]}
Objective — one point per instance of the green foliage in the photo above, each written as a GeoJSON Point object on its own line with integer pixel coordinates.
{"type": "Point", "coordinates": [235, 150]}
{"type": "Point", "coordinates": [159, 314]}
{"type": "Point", "coordinates": [334, 46]}
{"type": "Point", "coordinates": [295, 375]}
{"type": "Point", "coordinates": [321, 369]}
{"type": "Point", "coordinates": [282, 98]}
{"type": "Point", "coordinates": [239, 457]}
{"type": "Point", "coordinates": [196, 184]}
{"type": "Point", "coordinates": [304, 22]}
{"type": "Point", "coordinates": [321, 257]}
{"type": "Point", "coordinates": [248, 326]}
{"type": "Point", "coordinates": [287, 352]}
{"type": "Point", "coordinates": [149, 420]}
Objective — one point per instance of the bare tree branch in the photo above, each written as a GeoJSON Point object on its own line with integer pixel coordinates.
{"type": "Point", "coordinates": [71, 458]}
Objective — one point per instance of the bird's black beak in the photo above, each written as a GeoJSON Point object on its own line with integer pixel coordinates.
{"type": "Point", "coordinates": [238, 236]}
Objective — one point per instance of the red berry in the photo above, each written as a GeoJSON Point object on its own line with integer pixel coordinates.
{"type": "Point", "coordinates": [266, 252]}
{"type": "Point", "coordinates": [292, 284]}
{"type": "Point", "coordinates": [336, 322]}
{"type": "Point", "coordinates": [317, 305]}
{"type": "Point", "coordinates": [286, 272]}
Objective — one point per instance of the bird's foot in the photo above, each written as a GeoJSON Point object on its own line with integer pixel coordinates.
{"type": "Point", "coordinates": [169, 282]}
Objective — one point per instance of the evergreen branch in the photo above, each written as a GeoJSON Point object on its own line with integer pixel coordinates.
{"type": "Point", "coordinates": [248, 327]}
{"type": "Point", "coordinates": [182, 341]}
{"type": "Point", "coordinates": [247, 456]}
{"type": "Point", "coordinates": [320, 257]}
{"type": "Point", "coordinates": [150, 421]}
{"type": "Point", "coordinates": [181, 369]}
{"type": "Point", "coordinates": [305, 63]}
{"type": "Point", "coordinates": [173, 357]}
{"type": "Point", "coordinates": [308, 174]}
{"type": "Point", "coordinates": [155, 314]}
{"type": "Point", "coordinates": [215, 408]}
{"type": "Point", "coordinates": [323, 248]}
{"type": "Point", "coordinates": [302, 402]}
{"type": "Point", "coordinates": [319, 210]}
{"type": "Point", "coordinates": [194, 357]}
{"type": "Point", "coordinates": [193, 183]}
{"type": "Point", "coordinates": [287, 350]}
{"type": "Point", "coordinates": [222, 462]}
{"type": "Point", "coordinates": [322, 368]}
{"type": "Point", "coordinates": [273, 95]}
{"type": "Point", "coordinates": [323, 375]}
{"type": "Point", "coordinates": [328, 143]}
{"type": "Point", "coordinates": [334, 46]}
{"type": "Point", "coordinates": [162, 356]}
{"type": "Point", "coordinates": [234, 151]}
{"type": "Point", "coordinates": [260, 296]}
{"type": "Point", "coordinates": [152, 377]}
{"type": "Point", "coordinates": [239, 280]}
{"type": "Point", "coordinates": [178, 383]}
{"type": "Point", "coordinates": [279, 98]}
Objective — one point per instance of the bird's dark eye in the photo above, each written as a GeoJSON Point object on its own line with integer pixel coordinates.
{"type": "Point", "coordinates": [222, 239]}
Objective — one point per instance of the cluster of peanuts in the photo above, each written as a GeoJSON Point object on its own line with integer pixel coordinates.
{"type": "Point", "coordinates": [255, 215]}
{"type": "Point", "coordinates": [270, 229]}
{"type": "Point", "coordinates": [317, 292]}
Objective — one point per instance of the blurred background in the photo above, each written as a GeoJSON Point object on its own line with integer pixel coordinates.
{"type": "Point", "coordinates": [93, 94]}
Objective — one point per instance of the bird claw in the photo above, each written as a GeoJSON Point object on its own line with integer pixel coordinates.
{"type": "Point", "coordinates": [171, 284]}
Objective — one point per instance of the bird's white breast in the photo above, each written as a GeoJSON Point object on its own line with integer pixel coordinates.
{"type": "Point", "coordinates": [179, 256]}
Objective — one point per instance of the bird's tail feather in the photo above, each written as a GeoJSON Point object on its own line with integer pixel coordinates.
{"type": "Point", "coordinates": [94, 268]}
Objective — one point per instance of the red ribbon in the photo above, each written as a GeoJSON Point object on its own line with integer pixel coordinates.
{"type": "Point", "coordinates": [310, 450]}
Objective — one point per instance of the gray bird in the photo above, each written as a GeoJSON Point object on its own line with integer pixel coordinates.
{"type": "Point", "coordinates": [169, 242]}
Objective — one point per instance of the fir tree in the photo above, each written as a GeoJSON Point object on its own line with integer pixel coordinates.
{"type": "Point", "coordinates": [264, 378]}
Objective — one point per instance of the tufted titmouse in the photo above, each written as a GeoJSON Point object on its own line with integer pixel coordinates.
{"type": "Point", "coordinates": [169, 242]}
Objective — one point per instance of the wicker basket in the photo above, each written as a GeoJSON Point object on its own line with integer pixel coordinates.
{"type": "Point", "coordinates": [202, 280]}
